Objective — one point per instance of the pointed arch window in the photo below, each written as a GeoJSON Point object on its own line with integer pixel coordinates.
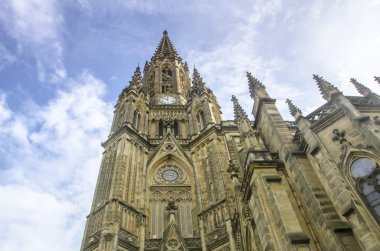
{"type": "Point", "coordinates": [167, 79]}
{"type": "Point", "coordinates": [366, 173]}
{"type": "Point", "coordinates": [176, 128]}
{"type": "Point", "coordinates": [167, 89]}
{"type": "Point", "coordinates": [151, 83]}
{"type": "Point", "coordinates": [167, 73]}
{"type": "Point", "coordinates": [136, 120]}
{"type": "Point", "coordinates": [160, 128]}
{"type": "Point", "coordinates": [201, 120]}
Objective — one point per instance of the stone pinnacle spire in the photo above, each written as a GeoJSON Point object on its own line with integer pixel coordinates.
{"type": "Point", "coordinates": [198, 84]}
{"type": "Point", "coordinates": [146, 66]}
{"type": "Point", "coordinates": [253, 84]}
{"type": "Point", "coordinates": [363, 90]}
{"type": "Point", "coordinates": [238, 110]}
{"type": "Point", "coordinates": [327, 89]}
{"type": "Point", "coordinates": [186, 67]}
{"type": "Point", "coordinates": [136, 76]}
{"type": "Point", "coordinates": [136, 81]}
{"type": "Point", "coordinates": [294, 110]}
{"type": "Point", "coordinates": [165, 49]}
{"type": "Point", "coordinates": [377, 79]}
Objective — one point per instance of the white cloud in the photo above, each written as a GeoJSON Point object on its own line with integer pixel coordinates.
{"type": "Point", "coordinates": [36, 26]}
{"type": "Point", "coordinates": [283, 43]}
{"type": "Point", "coordinates": [346, 39]}
{"type": "Point", "coordinates": [6, 57]}
{"type": "Point", "coordinates": [50, 161]}
{"type": "Point", "coordinates": [224, 67]}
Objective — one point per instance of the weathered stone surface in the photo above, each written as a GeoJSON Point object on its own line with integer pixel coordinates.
{"type": "Point", "coordinates": [174, 176]}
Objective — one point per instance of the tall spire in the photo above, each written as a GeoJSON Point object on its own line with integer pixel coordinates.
{"type": "Point", "coordinates": [165, 49]}
{"type": "Point", "coordinates": [294, 110]}
{"type": "Point", "coordinates": [255, 85]}
{"type": "Point", "coordinates": [326, 88]}
{"type": "Point", "coordinates": [136, 81]}
{"type": "Point", "coordinates": [186, 67]}
{"type": "Point", "coordinates": [363, 90]}
{"type": "Point", "coordinates": [377, 79]}
{"type": "Point", "coordinates": [146, 66]}
{"type": "Point", "coordinates": [238, 110]}
{"type": "Point", "coordinates": [198, 84]}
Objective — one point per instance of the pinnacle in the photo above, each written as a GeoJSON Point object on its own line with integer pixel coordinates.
{"type": "Point", "coordinates": [377, 79]}
{"type": "Point", "coordinates": [294, 110]}
{"type": "Point", "coordinates": [326, 88]}
{"type": "Point", "coordinates": [363, 90]}
{"type": "Point", "coordinates": [238, 110]}
{"type": "Point", "coordinates": [165, 48]}
{"type": "Point", "coordinates": [136, 78]}
{"type": "Point", "coordinates": [186, 67]}
{"type": "Point", "coordinates": [198, 84]}
{"type": "Point", "coordinates": [253, 83]}
{"type": "Point", "coordinates": [146, 66]}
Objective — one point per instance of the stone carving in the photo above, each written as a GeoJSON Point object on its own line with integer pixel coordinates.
{"type": "Point", "coordinates": [108, 237]}
{"type": "Point", "coordinates": [172, 243]}
{"type": "Point", "coordinates": [94, 238]}
{"type": "Point", "coordinates": [217, 234]}
{"type": "Point", "coordinates": [160, 179]}
{"type": "Point", "coordinates": [340, 136]}
{"type": "Point", "coordinates": [153, 243]}
{"type": "Point", "coordinates": [193, 242]}
{"type": "Point", "coordinates": [171, 115]}
{"type": "Point", "coordinates": [126, 236]}
{"type": "Point", "coordinates": [376, 120]}
{"type": "Point", "coordinates": [321, 112]}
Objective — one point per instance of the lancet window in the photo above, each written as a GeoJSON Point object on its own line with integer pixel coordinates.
{"type": "Point", "coordinates": [170, 184]}
{"type": "Point", "coordinates": [136, 119]}
{"type": "Point", "coordinates": [366, 173]}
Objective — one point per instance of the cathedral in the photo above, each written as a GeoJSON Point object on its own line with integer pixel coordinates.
{"type": "Point", "coordinates": [176, 176]}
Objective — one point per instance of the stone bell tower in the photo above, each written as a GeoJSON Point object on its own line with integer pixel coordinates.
{"type": "Point", "coordinates": [163, 182]}
{"type": "Point", "coordinates": [175, 176]}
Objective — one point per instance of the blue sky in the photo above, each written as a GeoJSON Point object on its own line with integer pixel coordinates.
{"type": "Point", "coordinates": [63, 64]}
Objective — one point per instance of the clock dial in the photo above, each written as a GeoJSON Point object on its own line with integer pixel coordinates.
{"type": "Point", "coordinates": [168, 100]}
{"type": "Point", "coordinates": [170, 175]}
{"type": "Point", "coordinates": [362, 167]}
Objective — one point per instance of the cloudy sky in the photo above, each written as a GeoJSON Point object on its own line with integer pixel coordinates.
{"type": "Point", "coordinates": [63, 64]}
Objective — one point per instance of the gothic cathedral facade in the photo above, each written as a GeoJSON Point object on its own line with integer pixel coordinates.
{"type": "Point", "coordinates": [175, 176]}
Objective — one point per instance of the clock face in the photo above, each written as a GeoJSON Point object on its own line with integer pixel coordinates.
{"type": "Point", "coordinates": [170, 175]}
{"type": "Point", "coordinates": [362, 167]}
{"type": "Point", "coordinates": [168, 100]}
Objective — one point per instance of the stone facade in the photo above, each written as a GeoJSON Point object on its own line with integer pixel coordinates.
{"type": "Point", "coordinates": [175, 176]}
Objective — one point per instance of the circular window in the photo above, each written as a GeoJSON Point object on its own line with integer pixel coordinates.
{"type": "Point", "coordinates": [169, 175]}
{"type": "Point", "coordinates": [362, 167]}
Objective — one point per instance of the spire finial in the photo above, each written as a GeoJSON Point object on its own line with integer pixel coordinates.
{"type": "Point", "coordinates": [165, 49]}
{"type": "Point", "coordinates": [186, 67]}
{"type": "Point", "coordinates": [327, 89]}
{"type": "Point", "coordinates": [146, 66]}
{"type": "Point", "coordinates": [136, 80]}
{"type": "Point", "coordinates": [377, 79]}
{"type": "Point", "coordinates": [254, 85]}
{"type": "Point", "coordinates": [294, 110]}
{"type": "Point", "coordinates": [198, 84]}
{"type": "Point", "coordinates": [238, 110]}
{"type": "Point", "coordinates": [363, 90]}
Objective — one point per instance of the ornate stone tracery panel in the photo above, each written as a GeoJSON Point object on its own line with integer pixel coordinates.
{"type": "Point", "coordinates": [170, 183]}
{"type": "Point", "coordinates": [172, 114]}
{"type": "Point", "coordinates": [169, 174]}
